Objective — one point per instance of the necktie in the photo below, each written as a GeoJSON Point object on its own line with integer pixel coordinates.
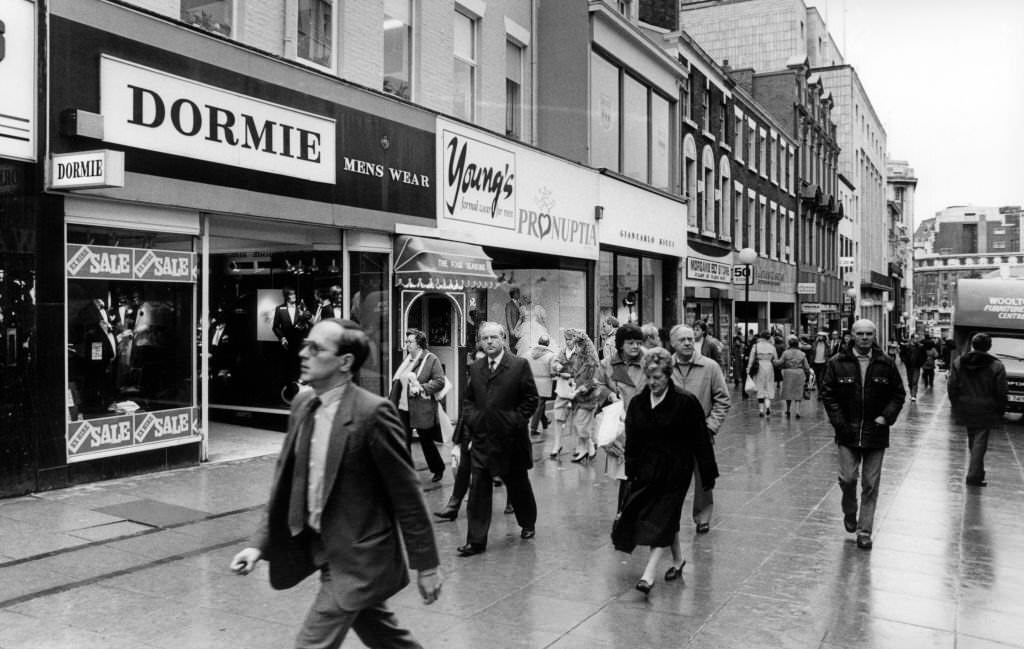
{"type": "Point", "coordinates": [300, 470]}
{"type": "Point", "coordinates": [494, 365]}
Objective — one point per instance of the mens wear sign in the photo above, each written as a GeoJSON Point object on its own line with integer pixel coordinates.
{"type": "Point", "coordinates": [108, 262]}
{"type": "Point", "coordinates": [494, 192]}
{"type": "Point", "coordinates": [174, 115]}
{"type": "Point", "coordinates": [131, 433]}
{"type": "Point", "coordinates": [18, 79]}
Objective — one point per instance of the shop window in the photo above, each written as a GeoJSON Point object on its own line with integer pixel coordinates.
{"type": "Point", "coordinates": [130, 341]}
{"type": "Point", "coordinates": [606, 283]}
{"type": "Point", "coordinates": [653, 289]}
{"type": "Point", "coordinates": [513, 90]}
{"type": "Point", "coordinates": [397, 59]}
{"type": "Point", "coordinates": [212, 15]}
{"type": "Point", "coordinates": [604, 113]}
{"type": "Point", "coordinates": [634, 289]}
{"type": "Point", "coordinates": [550, 301]}
{"type": "Point", "coordinates": [370, 306]}
{"type": "Point", "coordinates": [465, 63]}
{"type": "Point", "coordinates": [316, 31]}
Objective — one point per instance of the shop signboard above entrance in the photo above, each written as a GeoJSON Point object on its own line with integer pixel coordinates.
{"type": "Point", "coordinates": [18, 79]}
{"type": "Point", "coordinates": [171, 114]}
{"type": "Point", "coordinates": [496, 193]}
{"type": "Point", "coordinates": [641, 219]}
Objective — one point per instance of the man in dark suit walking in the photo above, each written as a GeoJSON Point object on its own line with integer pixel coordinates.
{"type": "Point", "coordinates": [500, 398]}
{"type": "Point", "coordinates": [345, 500]}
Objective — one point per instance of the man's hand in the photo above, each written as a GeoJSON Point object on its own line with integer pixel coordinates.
{"type": "Point", "coordinates": [284, 343]}
{"type": "Point", "coordinates": [880, 420]}
{"type": "Point", "coordinates": [429, 583]}
{"type": "Point", "coordinates": [456, 456]}
{"type": "Point", "coordinates": [245, 561]}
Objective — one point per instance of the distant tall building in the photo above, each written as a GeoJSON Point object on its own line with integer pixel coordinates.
{"type": "Point", "coordinates": [961, 241]}
{"type": "Point", "coordinates": [767, 35]}
{"type": "Point", "coordinates": [901, 186]}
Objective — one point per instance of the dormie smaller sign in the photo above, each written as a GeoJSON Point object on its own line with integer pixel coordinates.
{"type": "Point", "coordinates": [87, 169]}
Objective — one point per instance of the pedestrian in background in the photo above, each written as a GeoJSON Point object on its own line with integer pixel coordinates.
{"type": "Point", "coordinates": [761, 367]}
{"type": "Point", "coordinates": [345, 469]}
{"type": "Point", "coordinates": [863, 395]}
{"type": "Point", "coordinates": [931, 355]}
{"type": "Point", "coordinates": [608, 326]}
{"type": "Point", "coordinates": [413, 386]}
{"type": "Point", "coordinates": [665, 440]}
{"type": "Point", "coordinates": [820, 353]}
{"type": "Point", "coordinates": [709, 346]}
{"type": "Point", "coordinates": [913, 356]}
{"type": "Point", "coordinates": [796, 372]}
{"type": "Point", "coordinates": [739, 363]}
{"type": "Point", "coordinates": [620, 378]}
{"type": "Point", "coordinates": [541, 357]}
{"type": "Point", "coordinates": [576, 399]}
{"type": "Point", "coordinates": [652, 337]}
{"type": "Point", "coordinates": [500, 399]}
{"type": "Point", "coordinates": [978, 391]}
{"type": "Point", "coordinates": [703, 378]}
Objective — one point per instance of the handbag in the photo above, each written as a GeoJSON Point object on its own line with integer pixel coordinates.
{"type": "Point", "coordinates": [611, 424]}
{"type": "Point", "coordinates": [749, 386]}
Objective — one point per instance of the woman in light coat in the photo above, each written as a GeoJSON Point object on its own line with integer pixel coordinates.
{"type": "Point", "coordinates": [413, 387]}
{"type": "Point", "coordinates": [796, 371]}
{"type": "Point", "coordinates": [763, 356]}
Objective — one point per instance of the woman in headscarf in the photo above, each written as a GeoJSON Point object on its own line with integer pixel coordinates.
{"type": "Point", "coordinates": [576, 397]}
{"type": "Point", "coordinates": [413, 387]}
{"type": "Point", "coordinates": [666, 437]}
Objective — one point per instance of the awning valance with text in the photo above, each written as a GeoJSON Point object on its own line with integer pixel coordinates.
{"type": "Point", "coordinates": [424, 263]}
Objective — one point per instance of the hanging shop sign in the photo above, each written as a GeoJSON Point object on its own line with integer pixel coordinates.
{"type": "Point", "coordinates": [18, 79]}
{"type": "Point", "coordinates": [806, 288]}
{"type": "Point", "coordinates": [640, 219]}
{"type": "Point", "coordinates": [171, 114]}
{"type": "Point", "coordinates": [87, 170]}
{"type": "Point", "coordinates": [497, 193]}
{"type": "Point", "coordinates": [708, 270]}
{"type": "Point", "coordinates": [109, 262]}
{"type": "Point", "coordinates": [131, 433]}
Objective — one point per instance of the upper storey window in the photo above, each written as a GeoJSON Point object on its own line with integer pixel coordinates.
{"type": "Point", "coordinates": [398, 48]}
{"type": "Point", "coordinates": [464, 98]}
{"type": "Point", "coordinates": [316, 31]}
{"type": "Point", "coordinates": [212, 15]}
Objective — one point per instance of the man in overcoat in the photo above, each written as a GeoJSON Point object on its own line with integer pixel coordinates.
{"type": "Point", "coordinates": [978, 392]}
{"type": "Point", "coordinates": [345, 501]}
{"type": "Point", "coordinates": [863, 394]}
{"type": "Point", "coordinates": [500, 399]}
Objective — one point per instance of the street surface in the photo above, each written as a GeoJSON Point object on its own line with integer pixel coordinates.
{"type": "Point", "coordinates": [143, 562]}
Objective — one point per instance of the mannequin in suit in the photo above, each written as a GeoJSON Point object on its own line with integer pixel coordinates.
{"type": "Point", "coordinates": [291, 322]}
{"type": "Point", "coordinates": [333, 309]}
{"type": "Point", "coordinates": [498, 405]}
{"type": "Point", "coordinates": [346, 501]}
{"type": "Point", "coordinates": [97, 355]}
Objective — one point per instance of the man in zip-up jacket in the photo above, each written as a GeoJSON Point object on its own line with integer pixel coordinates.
{"type": "Point", "coordinates": [863, 394]}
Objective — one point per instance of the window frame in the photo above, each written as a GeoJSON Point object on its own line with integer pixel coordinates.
{"type": "Point", "coordinates": [333, 57]}
{"type": "Point", "coordinates": [410, 27]}
{"type": "Point", "coordinates": [515, 112]}
{"type": "Point", "coordinates": [472, 64]}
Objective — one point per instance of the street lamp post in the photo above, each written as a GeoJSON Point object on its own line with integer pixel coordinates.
{"type": "Point", "coordinates": [854, 294]}
{"type": "Point", "coordinates": [747, 257]}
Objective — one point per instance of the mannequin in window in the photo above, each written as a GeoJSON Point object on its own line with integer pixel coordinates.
{"type": "Point", "coordinates": [332, 309]}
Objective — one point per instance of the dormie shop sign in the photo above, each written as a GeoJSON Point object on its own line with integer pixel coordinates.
{"type": "Point", "coordinates": [174, 115]}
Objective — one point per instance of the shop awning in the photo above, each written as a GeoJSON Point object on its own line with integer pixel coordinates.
{"type": "Point", "coordinates": [424, 263]}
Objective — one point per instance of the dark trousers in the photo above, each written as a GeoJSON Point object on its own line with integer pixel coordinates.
{"type": "Point", "coordinates": [326, 624]}
{"type": "Point", "coordinates": [461, 485]}
{"type": "Point", "coordinates": [539, 417]}
{"type": "Point", "coordinates": [928, 378]}
{"type": "Point", "coordinates": [481, 491]}
{"type": "Point", "coordinates": [430, 452]}
{"type": "Point", "coordinates": [913, 375]}
{"type": "Point", "coordinates": [977, 441]}
{"type": "Point", "coordinates": [819, 375]}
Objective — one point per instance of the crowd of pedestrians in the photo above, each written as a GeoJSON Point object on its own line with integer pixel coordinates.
{"type": "Point", "coordinates": [346, 502]}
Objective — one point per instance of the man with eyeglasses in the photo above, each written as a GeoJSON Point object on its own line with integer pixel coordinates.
{"type": "Point", "coordinates": [345, 501]}
{"type": "Point", "coordinates": [863, 394]}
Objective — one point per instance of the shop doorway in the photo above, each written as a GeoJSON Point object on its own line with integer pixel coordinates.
{"type": "Point", "coordinates": [438, 316]}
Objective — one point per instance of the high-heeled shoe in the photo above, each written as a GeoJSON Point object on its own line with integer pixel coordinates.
{"type": "Point", "coordinates": [579, 457]}
{"type": "Point", "coordinates": [675, 572]}
{"type": "Point", "coordinates": [555, 453]}
{"type": "Point", "coordinates": [644, 586]}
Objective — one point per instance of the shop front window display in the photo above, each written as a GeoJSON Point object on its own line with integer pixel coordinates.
{"type": "Point", "coordinates": [130, 313]}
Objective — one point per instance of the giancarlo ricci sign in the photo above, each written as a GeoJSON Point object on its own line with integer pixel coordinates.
{"type": "Point", "coordinates": [170, 114]}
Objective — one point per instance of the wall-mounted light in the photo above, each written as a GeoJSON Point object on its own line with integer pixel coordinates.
{"type": "Point", "coordinates": [598, 212]}
{"type": "Point", "coordinates": [385, 142]}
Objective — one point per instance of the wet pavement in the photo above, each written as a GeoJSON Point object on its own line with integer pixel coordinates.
{"type": "Point", "coordinates": [143, 562]}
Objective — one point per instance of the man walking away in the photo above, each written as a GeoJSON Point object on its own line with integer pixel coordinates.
{"type": "Point", "coordinates": [863, 394]}
{"type": "Point", "coordinates": [913, 356]}
{"type": "Point", "coordinates": [978, 391]}
{"type": "Point", "coordinates": [345, 501]}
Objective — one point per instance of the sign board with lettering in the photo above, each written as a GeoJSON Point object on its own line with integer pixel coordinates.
{"type": "Point", "coordinates": [495, 192]}
{"type": "Point", "coordinates": [87, 170]}
{"type": "Point", "coordinates": [18, 79]}
{"type": "Point", "coordinates": [708, 270]}
{"type": "Point", "coordinates": [130, 433]}
{"type": "Point", "coordinates": [806, 288]}
{"type": "Point", "coordinates": [175, 115]}
{"type": "Point", "coordinates": [810, 307]}
{"type": "Point", "coordinates": [108, 262]}
{"type": "Point", "coordinates": [641, 219]}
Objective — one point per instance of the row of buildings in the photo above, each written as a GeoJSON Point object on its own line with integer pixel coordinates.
{"type": "Point", "coordinates": [170, 169]}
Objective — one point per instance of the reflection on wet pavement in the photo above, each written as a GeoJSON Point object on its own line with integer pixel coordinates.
{"type": "Point", "coordinates": [142, 562]}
